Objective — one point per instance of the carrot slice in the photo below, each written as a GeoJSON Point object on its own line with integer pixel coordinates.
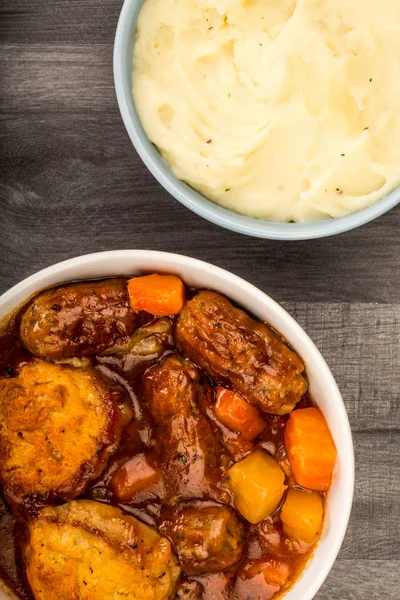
{"type": "Point", "coordinates": [275, 572]}
{"type": "Point", "coordinates": [159, 295]}
{"type": "Point", "coordinates": [237, 414]}
{"type": "Point", "coordinates": [133, 477]}
{"type": "Point", "coordinates": [310, 448]}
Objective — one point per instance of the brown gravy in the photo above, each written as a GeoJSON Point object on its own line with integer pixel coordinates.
{"type": "Point", "coordinates": [262, 540]}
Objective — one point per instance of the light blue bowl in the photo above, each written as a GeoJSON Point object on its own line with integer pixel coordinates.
{"type": "Point", "coordinates": [123, 48]}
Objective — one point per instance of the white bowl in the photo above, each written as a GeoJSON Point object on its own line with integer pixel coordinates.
{"type": "Point", "coordinates": [274, 230]}
{"type": "Point", "coordinates": [323, 388]}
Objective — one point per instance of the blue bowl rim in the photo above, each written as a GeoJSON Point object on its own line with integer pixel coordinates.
{"type": "Point", "coordinates": [122, 65]}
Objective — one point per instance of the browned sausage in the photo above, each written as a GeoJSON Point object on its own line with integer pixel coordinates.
{"type": "Point", "coordinates": [77, 319]}
{"type": "Point", "coordinates": [206, 539]}
{"type": "Point", "coordinates": [232, 347]}
{"type": "Point", "coordinates": [189, 449]}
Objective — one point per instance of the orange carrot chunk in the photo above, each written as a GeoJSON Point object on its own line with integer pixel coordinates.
{"type": "Point", "coordinates": [133, 477]}
{"type": "Point", "coordinates": [159, 295]}
{"type": "Point", "coordinates": [310, 448]}
{"type": "Point", "coordinates": [238, 415]}
{"type": "Point", "coordinates": [275, 572]}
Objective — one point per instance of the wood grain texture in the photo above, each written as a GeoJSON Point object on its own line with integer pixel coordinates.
{"type": "Point", "coordinates": [359, 580]}
{"type": "Point", "coordinates": [61, 21]}
{"type": "Point", "coordinates": [69, 169]}
{"type": "Point", "coordinates": [361, 344]}
{"type": "Point", "coordinates": [71, 183]}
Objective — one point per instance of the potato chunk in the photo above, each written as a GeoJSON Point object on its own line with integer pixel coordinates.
{"type": "Point", "coordinates": [301, 515]}
{"type": "Point", "coordinates": [257, 483]}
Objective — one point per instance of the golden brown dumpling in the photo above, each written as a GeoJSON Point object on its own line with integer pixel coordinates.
{"type": "Point", "coordinates": [90, 551]}
{"type": "Point", "coordinates": [58, 427]}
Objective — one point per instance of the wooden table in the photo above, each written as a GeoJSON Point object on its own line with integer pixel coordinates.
{"type": "Point", "coordinates": [71, 184]}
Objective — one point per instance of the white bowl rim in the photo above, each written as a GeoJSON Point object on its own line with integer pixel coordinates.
{"type": "Point", "coordinates": [195, 201]}
{"type": "Point", "coordinates": [173, 263]}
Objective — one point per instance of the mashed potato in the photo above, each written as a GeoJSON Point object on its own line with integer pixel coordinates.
{"type": "Point", "coordinates": [278, 109]}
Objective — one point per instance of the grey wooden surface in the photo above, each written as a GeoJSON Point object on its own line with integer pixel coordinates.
{"type": "Point", "coordinates": [71, 183]}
